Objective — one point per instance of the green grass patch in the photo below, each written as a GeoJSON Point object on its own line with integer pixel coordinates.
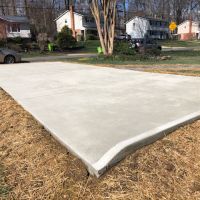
{"type": "Point", "coordinates": [175, 57]}
{"type": "Point", "coordinates": [4, 188]}
{"type": "Point", "coordinates": [90, 46]}
{"type": "Point", "coordinates": [178, 43]}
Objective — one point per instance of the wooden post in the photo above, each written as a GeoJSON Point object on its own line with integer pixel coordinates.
{"type": "Point", "coordinates": [72, 21]}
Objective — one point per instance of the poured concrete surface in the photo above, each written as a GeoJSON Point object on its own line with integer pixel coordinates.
{"type": "Point", "coordinates": [101, 114]}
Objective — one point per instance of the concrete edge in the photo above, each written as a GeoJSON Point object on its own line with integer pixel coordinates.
{"type": "Point", "coordinates": [122, 149]}
{"type": "Point", "coordinates": [89, 167]}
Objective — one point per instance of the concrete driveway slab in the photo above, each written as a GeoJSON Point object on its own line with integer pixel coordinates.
{"type": "Point", "coordinates": [102, 114]}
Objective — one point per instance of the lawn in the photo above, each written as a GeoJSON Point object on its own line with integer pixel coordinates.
{"type": "Point", "coordinates": [90, 46]}
{"type": "Point", "coordinates": [188, 58]}
{"type": "Point", "coordinates": [178, 43]}
{"type": "Point", "coordinates": [34, 166]}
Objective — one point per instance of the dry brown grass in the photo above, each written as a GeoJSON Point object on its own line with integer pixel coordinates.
{"type": "Point", "coordinates": [164, 69]}
{"type": "Point", "coordinates": [177, 69]}
{"type": "Point", "coordinates": [37, 167]}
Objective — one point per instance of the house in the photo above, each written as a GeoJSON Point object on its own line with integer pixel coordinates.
{"type": "Point", "coordinates": [14, 26]}
{"type": "Point", "coordinates": [189, 30]}
{"type": "Point", "coordinates": [144, 27]}
{"type": "Point", "coordinates": [84, 24]}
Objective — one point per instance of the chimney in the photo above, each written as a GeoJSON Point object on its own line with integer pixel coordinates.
{"type": "Point", "coordinates": [190, 26]}
{"type": "Point", "coordinates": [72, 21]}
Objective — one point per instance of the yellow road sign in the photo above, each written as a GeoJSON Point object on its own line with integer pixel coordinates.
{"type": "Point", "coordinates": [172, 26]}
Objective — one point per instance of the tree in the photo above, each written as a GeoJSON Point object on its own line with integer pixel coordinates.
{"type": "Point", "coordinates": [65, 39]}
{"type": "Point", "coordinates": [105, 10]}
{"type": "Point", "coordinates": [66, 2]}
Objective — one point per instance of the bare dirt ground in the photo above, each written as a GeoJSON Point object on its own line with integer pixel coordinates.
{"type": "Point", "coordinates": [34, 166]}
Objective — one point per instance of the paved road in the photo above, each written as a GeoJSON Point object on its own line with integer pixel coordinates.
{"type": "Point", "coordinates": [58, 57]}
{"type": "Point", "coordinates": [102, 114]}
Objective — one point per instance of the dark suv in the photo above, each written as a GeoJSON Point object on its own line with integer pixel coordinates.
{"type": "Point", "coordinates": [146, 45]}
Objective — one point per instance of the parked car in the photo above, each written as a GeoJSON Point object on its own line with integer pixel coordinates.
{"type": "Point", "coordinates": [144, 45]}
{"type": "Point", "coordinates": [123, 37]}
{"type": "Point", "coordinates": [9, 56]}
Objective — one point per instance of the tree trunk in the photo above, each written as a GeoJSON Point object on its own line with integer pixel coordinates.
{"type": "Point", "coordinates": [107, 31]}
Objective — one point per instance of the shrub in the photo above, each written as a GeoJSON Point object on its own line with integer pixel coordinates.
{"type": "Point", "coordinates": [79, 38]}
{"type": "Point", "coordinates": [34, 46]}
{"type": "Point", "coordinates": [123, 48]}
{"type": "Point", "coordinates": [16, 40]}
{"type": "Point", "coordinates": [65, 40]}
{"type": "Point", "coordinates": [15, 47]}
{"type": "Point", "coordinates": [2, 43]}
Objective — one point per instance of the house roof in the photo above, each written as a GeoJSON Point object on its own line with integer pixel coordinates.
{"type": "Point", "coordinates": [18, 19]}
{"type": "Point", "coordinates": [146, 18]}
{"type": "Point", "coordinates": [67, 12]}
{"type": "Point", "coordinates": [193, 22]}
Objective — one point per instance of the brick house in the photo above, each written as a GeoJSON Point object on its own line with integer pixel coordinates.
{"type": "Point", "coordinates": [189, 30]}
{"type": "Point", "coordinates": [14, 26]}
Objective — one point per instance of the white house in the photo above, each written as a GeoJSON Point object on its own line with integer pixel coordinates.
{"type": "Point", "coordinates": [188, 30]}
{"type": "Point", "coordinates": [83, 23]}
{"type": "Point", "coordinates": [142, 27]}
{"type": "Point", "coordinates": [14, 26]}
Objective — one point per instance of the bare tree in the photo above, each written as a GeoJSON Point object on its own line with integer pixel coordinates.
{"type": "Point", "coordinates": [106, 10]}
{"type": "Point", "coordinates": [66, 3]}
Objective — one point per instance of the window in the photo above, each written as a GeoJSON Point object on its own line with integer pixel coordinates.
{"type": "Point", "coordinates": [13, 28]}
{"type": "Point", "coordinates": [89, 20]}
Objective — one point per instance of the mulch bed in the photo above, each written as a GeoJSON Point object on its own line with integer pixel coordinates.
{"type": "Point", "coordinates": [38, 167]}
